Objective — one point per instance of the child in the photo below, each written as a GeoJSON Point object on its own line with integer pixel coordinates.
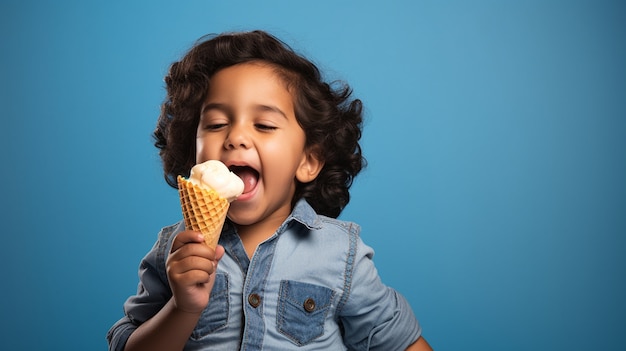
{"type": "Point", "coordinates": [287, 274]}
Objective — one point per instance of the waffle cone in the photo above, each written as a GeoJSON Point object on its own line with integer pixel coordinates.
{"type": "Point", "coordinates": [203, 210]}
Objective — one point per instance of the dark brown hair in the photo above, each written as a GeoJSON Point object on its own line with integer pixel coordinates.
{"type": "Point", "coordinates": [331, 120]}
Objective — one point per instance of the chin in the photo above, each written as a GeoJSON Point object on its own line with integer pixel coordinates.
{"type": "Point", "coordinates": [242, 220]}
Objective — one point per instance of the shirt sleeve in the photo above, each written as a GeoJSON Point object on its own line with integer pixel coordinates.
{"type": "Point", "coordinates": [375, 316]}
{"type": "Point", "coordinates": [153, 292]}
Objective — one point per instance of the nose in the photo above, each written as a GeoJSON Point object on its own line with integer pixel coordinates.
{"type": "Point", "coordinates": [237, 138]}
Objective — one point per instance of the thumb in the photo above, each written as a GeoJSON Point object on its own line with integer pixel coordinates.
{"type": "Point", "coordinates": [219, 252]}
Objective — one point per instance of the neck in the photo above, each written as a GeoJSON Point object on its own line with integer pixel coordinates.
{"type": "Point", "coordinates": [254, 234]}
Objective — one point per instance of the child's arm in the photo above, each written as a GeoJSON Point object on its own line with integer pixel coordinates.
{"type": "Point", "coordinates": [167, 330]}
{"type": "Point", "coordinates": [190, 268]}
{"type": "Point", "coordinates": [419, 345]}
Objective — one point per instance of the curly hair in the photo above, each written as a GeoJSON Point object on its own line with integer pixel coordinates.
{"type": "Point", "coordinates": [331, 119]}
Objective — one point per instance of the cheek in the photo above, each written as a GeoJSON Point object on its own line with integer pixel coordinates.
{"type": "Point", "coordinates": [199, 150]}
{"type": "Point", "coordinates": [281, 158]}
{"type": "Point", "coordinates": [281, 150]}
{"type": "Point", "coordinates": [205, 149]}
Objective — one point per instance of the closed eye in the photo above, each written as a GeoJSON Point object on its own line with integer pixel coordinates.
{"type": "Point", "coordinates": [265, 127]}
{"type": "Point", "coordinates": [216, 126]}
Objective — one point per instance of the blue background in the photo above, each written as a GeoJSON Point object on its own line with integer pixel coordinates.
{"type": "Point", "coordinates": [495, 195]}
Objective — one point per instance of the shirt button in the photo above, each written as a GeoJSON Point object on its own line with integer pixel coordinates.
{"type": "Point", "coordinates": [254, 300]}
{"type": "Point", "coordinates": [309, 305]}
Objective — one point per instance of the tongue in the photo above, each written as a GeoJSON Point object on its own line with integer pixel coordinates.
{"type": "Point", "coordinates": [249, 177]}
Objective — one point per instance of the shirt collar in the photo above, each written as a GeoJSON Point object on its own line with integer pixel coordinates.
{"type": "Point", "coordinates": [304, 214]}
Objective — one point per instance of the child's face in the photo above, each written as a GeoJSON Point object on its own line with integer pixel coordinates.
{"type": "Point", "coordinates": [248, 122]}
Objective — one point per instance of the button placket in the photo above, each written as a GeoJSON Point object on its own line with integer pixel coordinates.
{"type": "Point", "coordinates": [254, 300]}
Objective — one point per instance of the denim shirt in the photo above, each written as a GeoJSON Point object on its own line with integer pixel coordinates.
{"type": "Point", "coordinates": [311, 286]}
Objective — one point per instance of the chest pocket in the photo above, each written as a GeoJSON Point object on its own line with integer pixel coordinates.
{"type": "Point", "coordinates": [215, 315]}
{"type": "Point", "coordinates": [302, 310]}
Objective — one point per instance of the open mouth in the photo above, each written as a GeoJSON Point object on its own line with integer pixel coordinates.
{"type": "Point", "coordinates": [248, 175]}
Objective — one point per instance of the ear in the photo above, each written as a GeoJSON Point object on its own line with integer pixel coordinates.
{"type": "Point", "coordinates": [310, 166]}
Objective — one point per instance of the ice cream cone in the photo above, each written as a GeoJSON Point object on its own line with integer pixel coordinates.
{"type": "Point", "coordinates": [203, 210]}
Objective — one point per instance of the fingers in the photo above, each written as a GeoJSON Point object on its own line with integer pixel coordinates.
{"type": "Point", "coordinates": [190, 260]}
{"type": "Point", "coordinates": [193, 269]}
{"type": "Point", "coordinates": [191, 265]}
{"type": "Point", "coordinates": [186, 237]}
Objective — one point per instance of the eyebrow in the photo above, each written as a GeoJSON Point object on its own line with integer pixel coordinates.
{"type": "Point", "coordinates": [214, 106]}
{"type": "Point", "coordinates": [227, 109]}
{"type": "Point", "coordinates": [269, 108]}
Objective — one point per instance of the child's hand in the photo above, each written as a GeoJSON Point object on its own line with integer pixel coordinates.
{"type": "Point", "coordinates": [190, 269]}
